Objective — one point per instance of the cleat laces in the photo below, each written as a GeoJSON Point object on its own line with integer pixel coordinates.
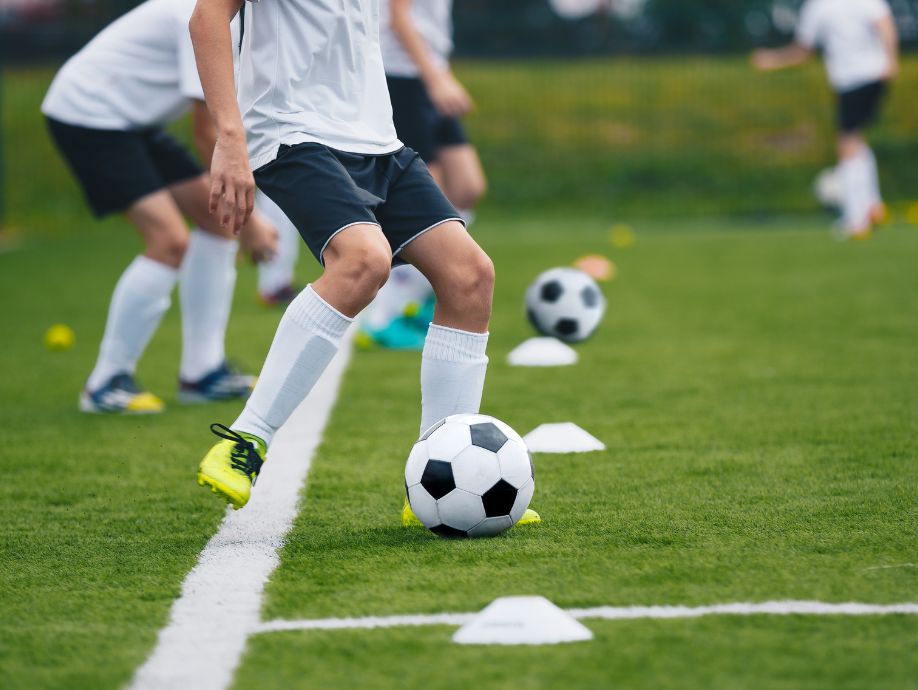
{"type": "Point", "coordinates": [244, 457]}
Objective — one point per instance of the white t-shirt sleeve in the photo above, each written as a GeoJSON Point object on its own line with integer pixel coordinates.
{"type": "Point", "coordinates": [878, 9]}
{"type": "Point", "coordinates": [809, 25]}
{"type": "Point", "coordinates": [189, 81]}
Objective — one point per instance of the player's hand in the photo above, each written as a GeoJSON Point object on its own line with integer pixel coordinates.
{"type": "Point", "coordinates": [449, 96]}
{"type": "Point", "coordinates": [232, 191]}
{"type": "Point", "coordinates": [259, 239]}
{"type": "Point", "coordinates": [764, 60]}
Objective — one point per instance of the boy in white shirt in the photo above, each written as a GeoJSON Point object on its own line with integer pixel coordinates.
{"type": "Point", "coordinates": [314, 122]}
{"type": "Point", "coordinates": [860, 45]}
{"type": "Point", "coordinates": [106, 110]}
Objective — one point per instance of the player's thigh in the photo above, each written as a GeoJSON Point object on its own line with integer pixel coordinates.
{"type": "Point", "coordinates": [451, 259]}
{"type": "Point", "coordinates": [462, 173]}
{"type": "Point", "coordinates": [160, 223]}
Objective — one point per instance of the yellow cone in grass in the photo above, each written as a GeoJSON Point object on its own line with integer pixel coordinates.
{"type": "Point", "coordinates": [622, 236]}
{"type": "Point", "coordinates": [59, 338]}
{"type": "Point", "coordinates": [912, 213]}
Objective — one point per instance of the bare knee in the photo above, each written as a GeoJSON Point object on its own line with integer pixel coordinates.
{"type": "Point", "coordinates": [352, 278]}
{"type": "Point", "coordinates": [168, 248]}
{"type": "Point", "coordinates": [850, 146]}
{"type": "Point", "coordinates": [470, 284]}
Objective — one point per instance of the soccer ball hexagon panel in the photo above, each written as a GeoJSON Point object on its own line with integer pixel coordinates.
{"type": "Point", "coordinates": [565, 303]}
{"type": "Point", "coordinates": [469, 476]}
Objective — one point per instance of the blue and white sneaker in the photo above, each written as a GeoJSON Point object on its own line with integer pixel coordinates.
{"type": "Point", "coordinates": [399, 334]}
{"type": "Point", "coordinates": [223, 383]}
{"type": "Point", "coordinates": [121, 395]}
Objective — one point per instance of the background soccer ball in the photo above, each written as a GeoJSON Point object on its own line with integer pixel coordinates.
{"type": "Point", "coordinates": [828, 189]}
{"type": "Point", "coordinates": [565, 303]}
{"type": "Point", "coordinates": [469, 476]}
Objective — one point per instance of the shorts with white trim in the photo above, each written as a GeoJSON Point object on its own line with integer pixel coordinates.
{"type": "Point", "coordinates": [323, 191]}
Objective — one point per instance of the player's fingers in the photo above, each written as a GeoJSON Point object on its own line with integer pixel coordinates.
{"type": "Point", "coordinates": [241, 211]}
{"type": "Point", "coordinates": [216, 193]}
{"type": "Point", "coordinates": [228, 206]}
{"type": "Point", "coordinates": [249, 203]}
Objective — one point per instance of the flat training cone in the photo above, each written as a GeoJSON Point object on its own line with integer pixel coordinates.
{"type": "Point", "coordinates": [522, 621]}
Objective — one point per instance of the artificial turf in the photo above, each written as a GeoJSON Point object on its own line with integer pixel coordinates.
{"type": "Point", "coordinates": [755, 387]}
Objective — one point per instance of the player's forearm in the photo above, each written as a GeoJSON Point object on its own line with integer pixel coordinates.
{"type": "Point", "coordinates": [889, 34]}
{"type": "Point", "coordinates": [781, 58]}
{"type": "Point", "coordinates": [408, 36]}
{"type": "Point", "coordinates": [205, 133]}
{"type": "Point", "coordinates": [213, 51]}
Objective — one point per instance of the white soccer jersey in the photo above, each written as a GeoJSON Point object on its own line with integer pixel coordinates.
{"type": "Point", "coordinates": [138, 72]}
{"type": "Point", "coordinates": [312, 71]}
{"type": "Point", "coordinates": [846, 31]}
{"type": "Point", "coordinates": [433, 20]}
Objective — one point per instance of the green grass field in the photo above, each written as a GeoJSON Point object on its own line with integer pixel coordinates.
{"type": "Point", "coordinates": [755, 385]}
{"type": "Point", "coordinates": [664, 136]}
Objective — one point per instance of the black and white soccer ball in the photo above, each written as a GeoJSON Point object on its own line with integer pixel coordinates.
{"type": "Point", "coordinates": [565, 303]}
{"type": "Point", "coordinates": [827, 188]}
{"type": "Point", "coordinates": [469, 476]}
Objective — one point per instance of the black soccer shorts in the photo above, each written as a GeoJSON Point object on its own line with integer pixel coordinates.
{"type": "Point", "coordinates": [860, 107]}
{"type": "Point", "coordinates": [324, 191]}
{"type": "Point", "coordinates": [115, 168]}
{"type": "Point", "coordinates": [417, 121]}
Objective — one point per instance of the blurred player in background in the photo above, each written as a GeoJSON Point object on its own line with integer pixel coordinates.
{"type": "Point", "coordinates": [860, 44]}
{"type": "Point", "coordinates": [416, 37]}
{"type": "Point", "coordinates": [105, 111]}
{"type": "Point", "coordinates": [276, 280]}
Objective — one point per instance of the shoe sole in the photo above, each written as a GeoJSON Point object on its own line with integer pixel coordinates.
{"type": "Point", "coordinates": [219, 489]}
{"type": "Point", "coordinates": [86, 406]}
{"type": "Point", "coordinates": [189, 398]}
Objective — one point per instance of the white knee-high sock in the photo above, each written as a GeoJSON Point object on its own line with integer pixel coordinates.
{"type": "Point", "coordinates": [856, 204]}
{"type": "Point", "coordinates": [140, 299]}
{"type": "Point", "coordinates": [206, 282]}
{"type": "Point", "coordinates": [278, 273]}
{"type": "Point", "coordinates": [453, 368]}
{"type": "Point", "coordinates": [406, 285]}
{"type": "Point", "coordinates": [306, 340]}
{"type": "Point", "coordinates": [873, 176]}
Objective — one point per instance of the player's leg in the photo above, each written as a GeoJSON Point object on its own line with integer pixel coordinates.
{"type": "Point", "coordinates": [140, 299]}
{"type": "Point", "coordinates": [454, 363]}
{"type": "Point", "coordinates": [462, 175]}
{"type": "Point", "coordinates": [357, 261]}
{"type": "Point", "coordinates": [862, 205]}
{"type": "Point", "coordinates": [276, 277]}
{"type": "Point", "coordinates": [206, 283]}
{"type": "Point", "coordinates": [343, 234]}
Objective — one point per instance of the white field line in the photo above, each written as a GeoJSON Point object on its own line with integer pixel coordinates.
{"type": "Point", "coordinates": [220, 604]}
{"type": "Point", "coordinates": [770, 608]}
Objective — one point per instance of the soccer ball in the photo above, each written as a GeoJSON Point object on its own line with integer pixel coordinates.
{"type": "Point", "coordinates": [828, 189]}
{"type": "Point", "coordinates": [469, 476]}
{"type": "Point", "coordinates": [565, 303]}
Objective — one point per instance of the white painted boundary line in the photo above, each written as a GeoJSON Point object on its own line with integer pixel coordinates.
{"type": "Point", "coordinates": [770, 608]}
{"type": "Point", "coordinates": [220, 604]}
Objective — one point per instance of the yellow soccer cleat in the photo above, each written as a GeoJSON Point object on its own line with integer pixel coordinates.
{"type": "Point", "coordinates": [231, 467]}
{"type": "Point", "coordinates": [409, 519]}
